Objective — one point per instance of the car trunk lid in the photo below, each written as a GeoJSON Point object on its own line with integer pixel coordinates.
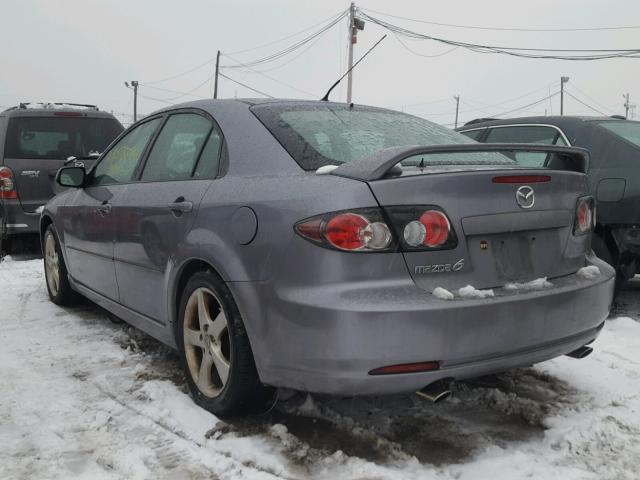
{"type": "Point", "coordinates": [499, 240]}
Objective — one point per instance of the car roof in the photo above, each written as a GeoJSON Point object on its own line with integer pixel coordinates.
{"type": "Point", "coordinates": [211, 105]}
{"type": "Point", "coordinates": [564, 121]}
{"type": "Point", "coordinates": [51, 109]}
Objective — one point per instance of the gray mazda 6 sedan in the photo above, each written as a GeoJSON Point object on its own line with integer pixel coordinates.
{"type": "Point", "coordinates": [329, 248]}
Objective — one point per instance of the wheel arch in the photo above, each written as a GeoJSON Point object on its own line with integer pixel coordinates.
{"type": "Point", "coordinates": [184, 273]}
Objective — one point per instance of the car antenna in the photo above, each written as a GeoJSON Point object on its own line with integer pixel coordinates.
{"type": "Point", "coordinates": [326, 95]}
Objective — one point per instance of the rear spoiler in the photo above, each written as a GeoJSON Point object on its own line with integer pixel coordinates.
{"type": "Point", "coordinates": [377, 165]}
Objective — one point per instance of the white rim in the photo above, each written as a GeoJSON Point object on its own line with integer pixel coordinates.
{"type": "Point", "coordinates": [206, 342]}
{"type": "Point", "coordinates": [52, 264]}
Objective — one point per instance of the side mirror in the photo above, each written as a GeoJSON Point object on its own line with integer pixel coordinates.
{"type": "Point", "coordinates": [71, 177]}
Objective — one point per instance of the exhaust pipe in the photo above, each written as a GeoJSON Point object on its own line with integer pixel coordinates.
{"type": "Point", "coordinates": [580, 352]}
{"type": "Point", "coordinates": [435, 392]}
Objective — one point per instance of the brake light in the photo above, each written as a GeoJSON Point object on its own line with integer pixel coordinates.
{"type": "Point", "coordinates": [372, 230]}
{"type": "Point", "coordinates": [346, 231]}
{"type": "Point", "coordinates": [522, 179]}
{"type": "Point", "coordinates": [361, 230]}
{"type": "Point", "coordinates": [431, 230]}
{"type": "Point", "coordinates": [585, 216]}
{"type": "Point", "coordinates": [7, 184]}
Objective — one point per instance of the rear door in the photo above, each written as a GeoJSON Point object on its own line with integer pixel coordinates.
{"type": "Point", "coordinates": [155, 215]}
{"type": "Point", "coordinates": [89, 226]}
{"type": "Point", "coordinates": [37, 146]}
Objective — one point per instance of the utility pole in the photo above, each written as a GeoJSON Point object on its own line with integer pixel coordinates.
{"type": "Point", "coordinates": [355, 24]}
{"type": "Point", "coordinates": [626, 105]}
{"type": "Point", "coordinates": [134, 87]}
{"type": "Point", "coordinates": [563, 80]}
{"type": "Point", "coordinates": [215, 84]}
{"type": "Point", "coordinates": [457, 99]}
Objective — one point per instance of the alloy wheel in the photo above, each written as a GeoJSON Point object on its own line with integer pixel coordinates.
{"type": "Point", "coordinates": [52, 264]}
{"type": "Point", "coordinates": [206, 342]}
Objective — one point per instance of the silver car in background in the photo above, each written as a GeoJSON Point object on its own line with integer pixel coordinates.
{"type": "Point", "coordinates": [329, 248]}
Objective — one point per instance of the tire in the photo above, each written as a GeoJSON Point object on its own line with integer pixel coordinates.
{"type": "Point", "coordinates": [55, 270]}
{"type": "Point", "coordinates": [218, 344]}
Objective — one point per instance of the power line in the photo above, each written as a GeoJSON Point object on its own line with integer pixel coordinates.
{"type": "Point", "coordinates": [271, 78]}
{"type": "Point", "coordinates": [421, 54]}
{"type": "Point", "coordinates": [586, 105]}
{"type": "Point", "coordinates": [538, 53]}
{"type": "Point", "coordinates": [485, 106]}
{"type": "Point", "coordinates": [338, 15]}
{"type": "Point", "coordinates": [245, 86]}
{"type": "Point", "coordinates": [573, 85]}
{"type": "Point", "coordinates": [292, 48]}
{"type": "Point", "coordinates": [505, 29]}
{"type": "Point", "coordinates": [190, 92]}
{"type": "Point", "coordinates": [211, 60]}
{"type": "Point", "coordinates": [334, 20]}
{"type": "Point", "coordinates": [527, 106]}
{"type": "Point", "coordinates": [168, 90]}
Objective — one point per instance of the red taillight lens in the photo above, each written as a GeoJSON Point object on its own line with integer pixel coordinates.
{"type": "Point", "coordinates": [7, 184]}
{"type": "Point", "coordinates": [585, 216]}
{"type": "Point", "coordinates": [345, 231]}
{"type": "Point", "coordinates": [410, 227]}
{"type": "Point", "coordinates": [406, 368]}
{"type": "Point", "coordinates": [436, 226]}
{"type": "Point", "coordinates": [362, 230]}
{"type": "Point", "coordinates": [430, 230]}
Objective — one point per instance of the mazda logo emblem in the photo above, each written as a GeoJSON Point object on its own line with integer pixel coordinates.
{"type": "Point", "coordinates": [525, 197]}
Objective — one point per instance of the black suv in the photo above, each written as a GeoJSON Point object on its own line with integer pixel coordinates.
{"type": "Point", "coordinates": [614, 172]}
{"type": "Point", "coordinates": [35, 141]}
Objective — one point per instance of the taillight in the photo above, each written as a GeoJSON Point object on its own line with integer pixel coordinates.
{"type": "Point", "coordinates": [370, 230]}
{"type": "Point", "coordinates": [585, 216]}
{"type": "Point", "coordinates": [361, 230]}
{"type": "Point", "coordinates": [7, 184]}
{"type": "Point", "coordinates": [431, 230]}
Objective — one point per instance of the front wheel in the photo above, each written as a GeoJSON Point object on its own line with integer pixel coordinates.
{"type": "Point", "coordinates": [55, 270]}
{"type": "Point", "coordinates": [214, 349]}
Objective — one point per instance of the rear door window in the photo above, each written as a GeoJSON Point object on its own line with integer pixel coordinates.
{"type": "Point", "coordinates": [118, 165]}
{"type": "Point", "coordinates": [526, 134]}
{"type": "Point", "coordinates": [177, 148]}
{"type": "Point", "coordinates": [58, 137]}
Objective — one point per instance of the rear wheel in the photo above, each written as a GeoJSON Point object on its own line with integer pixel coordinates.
{"type": "Point", "coordinates": [215, 351]}
{"type": "Point", "coordinates": [55, 270]}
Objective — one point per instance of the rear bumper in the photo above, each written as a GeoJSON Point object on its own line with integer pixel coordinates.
{"type": "Point", "coordinates": [326, 339]}
{"type": "Point", "coordinates": [17, 220]}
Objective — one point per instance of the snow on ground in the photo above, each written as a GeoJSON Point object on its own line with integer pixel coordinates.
{"type": "Point", "coordinates": [82, 397]}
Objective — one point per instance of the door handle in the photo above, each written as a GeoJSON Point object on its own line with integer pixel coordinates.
{"type": "Point", "coordinates": [104, 210]}
{"type": "Point", "coordinates": [178, 208]}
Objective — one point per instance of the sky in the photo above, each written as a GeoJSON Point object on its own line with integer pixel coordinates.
{"type": "Point", "coordinates": [84, 50]}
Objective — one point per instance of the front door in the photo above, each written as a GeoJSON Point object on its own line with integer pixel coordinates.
{"type": "Point", "coordinates": [155, 215]}
{"type": "Point", "coordinates": [89, 221]}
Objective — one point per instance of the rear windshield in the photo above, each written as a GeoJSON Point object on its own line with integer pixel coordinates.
{"type": "Point", "coordinates": [59, 137]}
{"type": "Point", "coordinates": [630, 131]}
{"type": "Point", "coordinates": [317, 135]}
